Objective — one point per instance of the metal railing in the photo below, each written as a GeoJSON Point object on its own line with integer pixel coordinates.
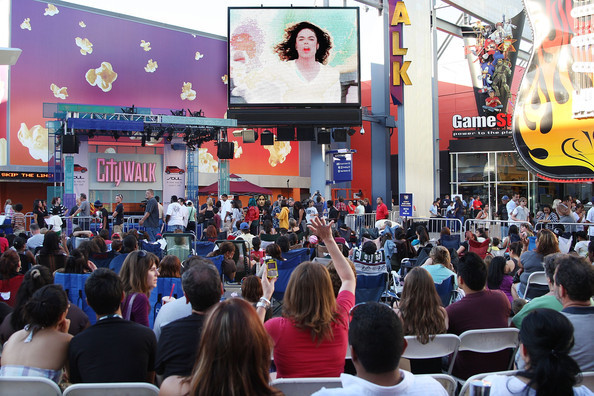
{"type": "Point", "coordinates": [434, 225]}
{"type": "Point", "coordinates": [499, 228]}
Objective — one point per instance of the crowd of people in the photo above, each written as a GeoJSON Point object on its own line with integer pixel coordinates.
{"type": "Point", "coordinates": [209, 342]}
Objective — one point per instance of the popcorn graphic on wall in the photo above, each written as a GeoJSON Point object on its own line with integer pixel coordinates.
{"type": "Point", "coordinates": [103, 76]}
{"type": "Point", "coordinates": [206, 162]}
{"type": "Point", "coordinates": [146, 45]}
{"type": "Point", "coordinates": [86, 47]}
{"type": "Point", "coordinates": [35, 139]}
{"type": "Point", "coordinates": [237, 150]}
{"type": "Point", "coordinates": [225, 79]}
{"type": "Point", "coordinates": [51, 10]}
{"type": "Point", "coordinates": [26, 24]}
{"type": "Point", "coordinates": [82, 24]}
{"type": "Point", "coordinates": [59, 93]}
{"type": "Point", "coordinates": [278, 152]}
{"type": "Point", "coordinates": [187, 92]}
{"type": "Point", "coordinates": [198, 55]}
{"type": "Point", "coordinates": [151, 66]}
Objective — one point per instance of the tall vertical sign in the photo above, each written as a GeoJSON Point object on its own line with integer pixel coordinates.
{"type": "Point", "coordinates": [398, 65]}
{"type": "Point", "coordinates": [174, 172]}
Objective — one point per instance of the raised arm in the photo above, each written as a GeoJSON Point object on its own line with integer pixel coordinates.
{"type": "Point", "coordinates": [324, 231]}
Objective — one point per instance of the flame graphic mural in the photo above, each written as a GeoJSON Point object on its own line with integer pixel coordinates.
{"type": "Point", "coordinates": [553, 124]}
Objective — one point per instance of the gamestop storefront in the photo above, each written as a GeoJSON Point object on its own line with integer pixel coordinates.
{"type": "Point", "coordinates": [484, 162]}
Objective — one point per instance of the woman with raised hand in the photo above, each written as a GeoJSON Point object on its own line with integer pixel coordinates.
{"type": "Point", "coordinates": [311, 338]}
{"type": "Point", "coordinates": [546, 338]}
{"type": "Point", "coordinates": [229, 363]}
{"type": "Point", "coordinates": [40, 349]}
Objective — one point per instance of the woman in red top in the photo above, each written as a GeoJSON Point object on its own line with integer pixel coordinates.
{"type": "Point", "coordinates": [311, 338]}
{"type": "Point", "coordinates": [10, 279]}
{"type": "Point", "coordinates": [351, 209]}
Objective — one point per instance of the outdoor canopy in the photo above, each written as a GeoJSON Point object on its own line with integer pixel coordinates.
{"type": "Point", "coordinates": [237, 186]}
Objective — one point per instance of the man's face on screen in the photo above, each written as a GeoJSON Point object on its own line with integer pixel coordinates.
{"type": "Point", "coordinates": [307, 43]}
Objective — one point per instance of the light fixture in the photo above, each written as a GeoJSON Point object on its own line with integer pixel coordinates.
{"type": "Point", "coordinates": [116, 135]}
{"type": "Point", "coordinates": [362, 131]}
{"type": "Point", "coordinates": [143, 140]}
{"type": "Point", "coordinates": [91, 133]}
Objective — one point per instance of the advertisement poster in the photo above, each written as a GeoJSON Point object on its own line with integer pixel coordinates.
{"type": "Point", "coordinates": [81, 169]}
{"type": "Point", "coordinates": [552, 124]}
{"type": "Point", "coordinates": [174, 172]}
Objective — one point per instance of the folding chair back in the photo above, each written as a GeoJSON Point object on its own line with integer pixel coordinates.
{"type": "Point", "coordinates": [445, 289]}
{"type": "Point", "coordinates": [466, 387]}
{"type": "Point", "coordinates": [304, 386]}
{"type": "Point", "coordinates": [179, 245]}
{"type": "Point", "coordinates": [74, 286]}
{"type": "Point", "coordinates": [26, 386]}
{"type": "Point", "coordinates": [531, 243]}
{"type": "Point", "coordinates": [441, 345]}
{"type": "Point", "coordinates": [202, 248]}
{"type": "Point", "coordinates": [372, 275]}
{"type": "Point", "coordinates": [285, 268]}
{"type": "Point", "coordinates": [241, 256]}
{"type": "Point", "coordinates": [450, 241]}
{"type": "Point", "coordinates": [165, 287]}
{"type": "Point", "coordinates": [480, 248]}
{"type": "Point", "coordinates": [536, 286]}
{"type": "Point", "coordinates": [489, 340]}
{"type": "Point", "coordinates": [113, 389]}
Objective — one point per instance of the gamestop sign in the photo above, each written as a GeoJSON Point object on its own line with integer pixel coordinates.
{"type": "Point", "coordinates": [480, 125]}
{"type": "Point", "coordinates": [125, 171]}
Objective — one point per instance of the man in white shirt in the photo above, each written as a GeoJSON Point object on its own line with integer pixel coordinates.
{"type": "Point", "coordinates": [226, 212]}
{"type": "Point", "coordinates": [175, 216]}
{"type": "Point", "coordinates": [311, 212]}
{"type": "Point", "coordinates": [511, 205]}
{"type": "Point", "coordinates": [590, 220]}
{"type": "Point", "coordinates": [36, 239]}
{"type": "Point", "coordinates": [376, 339]}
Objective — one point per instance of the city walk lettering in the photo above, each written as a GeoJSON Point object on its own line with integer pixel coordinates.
{"type": "Point", "coordinates": [112, 171]}
{"type": "Point", "coordinates": [399, 69]}
{"type": "Point", "coordinates": [501, 120]}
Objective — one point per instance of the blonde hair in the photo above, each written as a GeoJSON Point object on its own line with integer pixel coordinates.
{"type": "Point", "coordinates": [441, 255]}
{"type": "Point", "coordinates": [309, 300]}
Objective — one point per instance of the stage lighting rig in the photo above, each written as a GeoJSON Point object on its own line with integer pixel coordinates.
{"type": "Point", "coordinates": [129, 110]}
{"type": "Point", "coordinates": [178, 113]}
{"type": "Point", "coordinates": [198, 113]}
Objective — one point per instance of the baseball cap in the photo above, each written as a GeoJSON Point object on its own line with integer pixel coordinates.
{"type": "Point", "coordinates": [98, 203]}
{"type": "Point", "coordinates": [244, 226]}
{"type": "Point", "coordinates": [505, 197]}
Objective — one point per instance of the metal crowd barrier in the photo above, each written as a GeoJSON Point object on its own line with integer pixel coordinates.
{"type": "Point", "coordinates": [434, 225]}
{"type": "Point", "coordinates": [356, 222]}
{"type": "Point", "coordinates": [499, 228]}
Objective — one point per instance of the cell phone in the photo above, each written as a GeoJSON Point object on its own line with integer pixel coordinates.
{"type": "Point", "coordinates": [272, 266]}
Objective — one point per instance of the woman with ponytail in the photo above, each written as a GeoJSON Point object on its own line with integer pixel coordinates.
{"type": "Point", "coordinates": [546, 338]}
{"type": "Point", "coordinates": [37, 277]}
{"type": "Point", "coordinates": [40, 349]}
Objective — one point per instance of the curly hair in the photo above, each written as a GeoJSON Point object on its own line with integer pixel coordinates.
{"type": "Point", "coordinates": [286, 49]}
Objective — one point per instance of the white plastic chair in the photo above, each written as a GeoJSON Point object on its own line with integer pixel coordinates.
{"type": "Point", "coordinates": [489, 341]}
{"type": "Point", "coordinates": [304, 386]}
{"type": "Point", "coordinates": [28, 386]}
{"type": "Point", "coordinates": [466, 387]}
{"type": "Point", "coordinates": [441, 345]}
{"type": "Point", "coordinates": [536, 278]}
{"type": "Point", "coordinates": [447, 381]}
{"type": "Point", "coordinates": [588, 380]}
{"type": "Point", "coordinates": [113, 389]}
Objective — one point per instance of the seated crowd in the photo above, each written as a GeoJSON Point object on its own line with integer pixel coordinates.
{"type": "Point", "coordinates": [209, 341]}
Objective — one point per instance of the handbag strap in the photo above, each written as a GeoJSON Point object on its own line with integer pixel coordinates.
{"type": "Point", "coordinates": [129, 310]}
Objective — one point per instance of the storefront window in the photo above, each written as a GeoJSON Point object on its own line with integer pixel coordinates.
{"type": "Point", "coordinates": [509, 168]}
{"type": "Point", "coordinates": [473, 167]}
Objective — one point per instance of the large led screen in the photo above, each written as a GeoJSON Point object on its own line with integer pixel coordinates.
{"type": "Point", "coordinates": [294, 56]}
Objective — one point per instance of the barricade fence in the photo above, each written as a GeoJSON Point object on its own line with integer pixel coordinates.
{"type": "Point", "coordinates": [500, 228]}
{"type": "Point", "coordinates": [433, 225]}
